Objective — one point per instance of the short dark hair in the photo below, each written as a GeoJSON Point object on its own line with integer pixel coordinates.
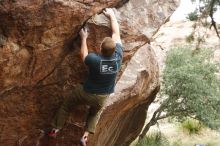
{"type": "Point", "coordinates": [108, 47]}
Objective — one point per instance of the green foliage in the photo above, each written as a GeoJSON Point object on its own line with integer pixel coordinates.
{"type": "Point", "coordinates": [177, 143]}
{"type": "Point", "coordinates": [190, 38]}
{"type": "Point", "coordinates": [206, 8]}
{"type": "Point", "coordinates": [192, 126]}
{"type": "Point", "coordinates": [207, 5]}
{"type": "Point", "coordinates": [191, 86]}
{"type": "Point", "coordinates": [193, 16]}
{"type": "Point", "coordinates": [154, 139]}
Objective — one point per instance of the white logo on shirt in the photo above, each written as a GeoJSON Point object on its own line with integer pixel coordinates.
{"type": "Point", "coordinates": [108, 66]}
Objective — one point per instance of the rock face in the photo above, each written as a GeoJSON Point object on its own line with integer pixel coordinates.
{"type": "Point", "coordinates": [40, 62]}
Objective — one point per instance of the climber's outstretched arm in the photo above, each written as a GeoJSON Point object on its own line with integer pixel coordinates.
{"type": "Point", "coordinates": [84, 50]}
{"type": "Point", "coordinates": [114, 24]}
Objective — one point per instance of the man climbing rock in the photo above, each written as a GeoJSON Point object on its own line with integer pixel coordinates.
{"type": "Point", "coordinates": [103, 68]}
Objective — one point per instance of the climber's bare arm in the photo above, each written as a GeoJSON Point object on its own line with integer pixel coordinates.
{"type": "Point", "coordinates": [114, 24]}
{"type": "Point", "coordinates": [84, 49]}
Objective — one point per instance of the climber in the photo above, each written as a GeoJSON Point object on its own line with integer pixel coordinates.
{"type": "Point", "coordinates": [103, 68]}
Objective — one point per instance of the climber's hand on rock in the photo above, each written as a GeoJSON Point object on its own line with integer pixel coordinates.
{"type": "Point", "coordinates": [84, 33]}
{"type": "Point", "coordinates": [109, 12]}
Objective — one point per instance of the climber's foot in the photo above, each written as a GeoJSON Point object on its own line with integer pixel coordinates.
{"type": "Point", "coordinates": [52, 132]}
{"type": "Point", "coordinates": [83, 141]}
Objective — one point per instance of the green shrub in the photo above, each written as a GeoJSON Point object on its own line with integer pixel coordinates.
{"type": "Point", "coordinates": [192, 126]}
{"type": "Point", "coordinates": [154, 139]}
{"type": "Point", "coordinates": [190, 38]}
{"type": "Point", "coordinates": [191, 86]}
{"type": "Point", "coordinates": [177, 143]}
{"type": "Point", "coordinates": [193, 16]}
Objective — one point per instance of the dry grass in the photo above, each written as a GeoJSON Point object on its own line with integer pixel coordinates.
{"type": "Point", "coordinates": [178, 137]}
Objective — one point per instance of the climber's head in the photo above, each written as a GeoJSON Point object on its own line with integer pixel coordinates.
{"type": "Point", "coordinates": [107, 47]}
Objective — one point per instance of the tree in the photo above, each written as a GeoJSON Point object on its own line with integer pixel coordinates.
{"type": "Point", "coordinates": [193, 16]}
{"type": "Point", "coordinates": [190, 87]}
{"type": "Point", "coordinates": [206, 8]}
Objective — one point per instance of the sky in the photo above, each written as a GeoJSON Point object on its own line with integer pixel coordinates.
{"type": "Point", "coordinates": [185, 8]}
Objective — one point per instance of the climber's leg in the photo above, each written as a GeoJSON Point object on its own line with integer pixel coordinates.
{"type": "Point", "coordinates": [72, 100]}
{"type": "Point", "coordinates": [96, 103]}
{"type": "Point", "coordinates": [94, 112]}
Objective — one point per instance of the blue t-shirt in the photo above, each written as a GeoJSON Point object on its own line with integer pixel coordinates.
{"type": "Point", "coordinates": [103, 71]}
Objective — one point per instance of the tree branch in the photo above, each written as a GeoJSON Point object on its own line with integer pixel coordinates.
{"type": "Point", "coordinates": [213, 23]}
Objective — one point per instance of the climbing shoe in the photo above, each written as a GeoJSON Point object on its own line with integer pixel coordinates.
{"type": "Point", "coordinates": [53, 133]}
{"type": "Point", "coordinates": [83, 141]}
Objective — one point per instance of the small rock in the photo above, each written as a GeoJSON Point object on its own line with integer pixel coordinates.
{"type": "Point", "coordinates": [2, 39]}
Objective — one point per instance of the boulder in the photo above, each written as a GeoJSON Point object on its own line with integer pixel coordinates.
{"type": "Point", "coordinates": [40, 63]}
